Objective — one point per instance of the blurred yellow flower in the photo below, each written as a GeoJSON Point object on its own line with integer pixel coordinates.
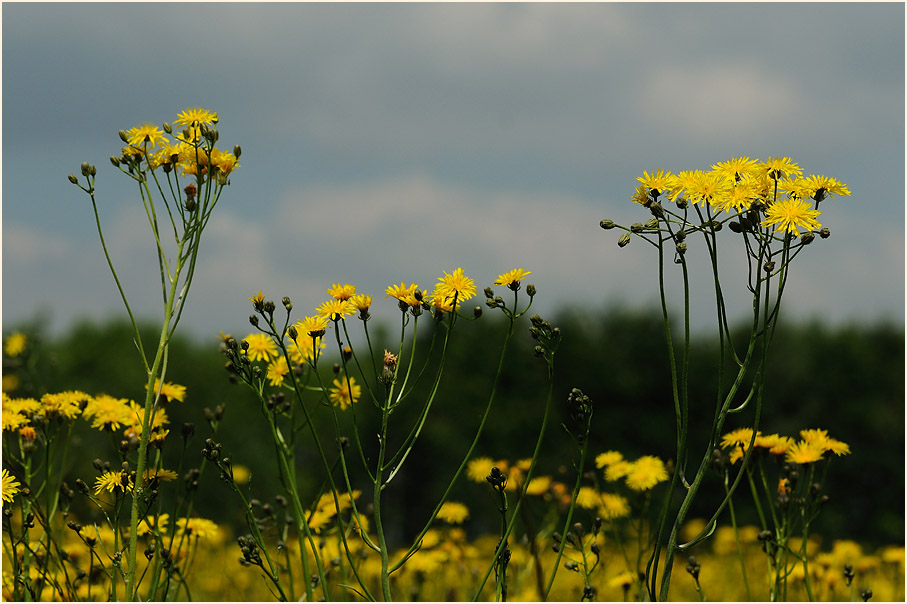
{"type": "Point", "coordinates": [645, 473]}
{"type": "Point", "coordinates": [15, 344]}
{"type": "Point", "coordinates": [608, 458]}
{"type": "Point", "coordinates": [453, 512]}
{"type": "Point", "coordinates": [197, 527]}
{"type": "Point", "coordinates": [169, 391]}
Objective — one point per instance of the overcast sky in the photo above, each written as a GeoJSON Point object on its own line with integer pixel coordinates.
{"type": "Point", "coordinates": [391, 142]}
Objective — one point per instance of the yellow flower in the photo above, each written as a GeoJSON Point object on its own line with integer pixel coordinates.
{"type": "Point", "coordinates": [261, 347]}
{"type": "Point", "coordinates": [456, 286]}
{"type": "Point", "coordinates": [10, 382]}
{"type": "Point", "coordinates": [613, 506]}
{"type": "Point", "coordinates": [112, 481]}
{"type": "Point", "coordinates": [197, 527]}
{"type": "Point", "coordinates": [512, 278]}
{"type": "Point", "coordinates": [313, 327]}
{"type": "Point", "coordinates": [740, 437]}
{"type": "Point", "coordinates": [342, 292]}
{"type": "Point", "coordinates": [224, 161]}
{"type": "Point", "coordinates": [345, 392]}
{"type": "Point", "coordinates": [148, 525]}
{"type": "Point", "coordinates": [277, 371]}
{"type": "Point", "coordinates": [658, 182]}
{"type": "Point", "coordinates": [538, 485]}
{"type": "Point", "coordinates": [706, 188]}
{"type": "Point", "coordinates": [588, 498]}
{"type": "Point", "coordinates": [15, 344]}
{"type": "Point", "coordinates": [303, 348]}
{"type": "Point", "coordinates": [107, 412]}
{"type": "Point", "coordinates": [778, 167]}
{"type": "Point", "coordinates": [361, 302]}
{"type": "Point", "coordinates": [737, 168]}
{"type": "Point", "coordinates": [641, 195]}
{"type": "Point", "coordinates": [453, 512]}
{"type": "Point", "coordinates": [608, 458]}
{"type": "Point", "coordinates": [158, 421]}
{"type": "Point", "coordinates": [258, 299]}
{"type": "Point", "coordinates": [401, 292]}
{"type": "Point", "coordinates": [804, 452]}
{"type": "Point", "coordinates": [790, 215]}
{"type": "Point", "coordinates": [737, 198]}
{"type": "Point", "coordinates": [241, 474]}
{"type": "Point", "coordinates": [146, 132]}
{"type": "Point", "coordinates": [335, 309]}
{"type": "Point", "coordinates": [645, 473]}
{"type": "Point", "coordinates": [776, 445]}
{"type": "Point", "coordinates": [193, 116]}
{"type": "Point", "coordinates": [9, 487]}
{"type": "Point", "coordinates": [161, 474]}
{"type": "Point", "coordinates": [67, 404]}
{"type": "Point", "coordinates": [477, 469]}
{"type": "Point", "coordinates": [617, 470]}
{"type": "Point", "coordinates": [820, 186]}
{"type": "Point", "coordinates": [169, 391]}
{"type": "Point", "coordinates": [820, 439]}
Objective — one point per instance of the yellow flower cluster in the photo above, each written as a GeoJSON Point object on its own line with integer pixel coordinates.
{"type": "Point", "coordinates": [103, 412]}
{"type": "Point", "coordinates": [639, 475]}
{"type": "Point", "coordinates": [777, 186]}
{"type": "Point", "coordinates": [192, 150]}
{"type": "Point", "coordinates": [812, 446]}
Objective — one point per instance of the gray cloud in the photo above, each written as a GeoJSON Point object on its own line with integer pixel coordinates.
{"type": "Point", "coordinates": [393, 141]}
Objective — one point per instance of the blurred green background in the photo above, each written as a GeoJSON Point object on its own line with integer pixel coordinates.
{"type": "Point", "coordinates": [846, 379]}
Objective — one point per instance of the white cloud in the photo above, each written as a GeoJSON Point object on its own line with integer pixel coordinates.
{"type": "Point", "coordinates": [709, 102]}
{"type": "Point", "coordinates": [25, 245]}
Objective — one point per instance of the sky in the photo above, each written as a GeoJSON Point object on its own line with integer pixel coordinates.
{"type": "Point", "coordinates": [392, 142]}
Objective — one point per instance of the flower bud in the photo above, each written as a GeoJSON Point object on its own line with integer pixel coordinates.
{"type": "Point", "coordinates": [477, 312]}
{"type": "Point", "coordinates": [287, 303]}
{"type": "Point", "coordinates": [237, 151]}
{"type": "Point", "coordinates": [636, 227]}
{"type": "Point", "coordinates": [115, 160]}
{"type": "Point", "coordinates": [682, 203]}
{"type": "Point", "coordinates": [624, 240]}
{"type": "Point", "coordinates": [167, 127]}
{"type": "Point", "coordinates": [253, 319]}
{"type": "Point", "coordinates": [123, 136]}
{"type": "Point", "coordinates": [651, 223]}
{"type": "Point", "coordinates": [768, 266]}
{"type": "Point", "coordinates": [86, 168]}
{"type": "Point", "coordinates": [824, 233]}
{"type": "Point", "coordinates": [72, 178]}
{"type": "Point", "coordinates": [607, 224]}
{"type": "Point", "coordinates": [807, 237]}
{"type": "Point", "coordinates": [530, 290]}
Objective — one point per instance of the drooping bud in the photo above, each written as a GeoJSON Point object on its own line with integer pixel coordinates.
{"type": "Point", "coordinates": [607, 224]}
{"type": "Point", "coordinates": [624, 240]}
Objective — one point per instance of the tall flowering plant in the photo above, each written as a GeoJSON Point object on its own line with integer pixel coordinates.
{"type": "Point", "coordinates": [772, 212]}
{"type": "Point", "coordinates": [281, 363]}
{"type": "Point", "coordinates": [180, 174]}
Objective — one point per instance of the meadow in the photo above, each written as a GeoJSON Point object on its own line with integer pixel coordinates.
{"type": "Point", "coordinates": [446, 442]}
